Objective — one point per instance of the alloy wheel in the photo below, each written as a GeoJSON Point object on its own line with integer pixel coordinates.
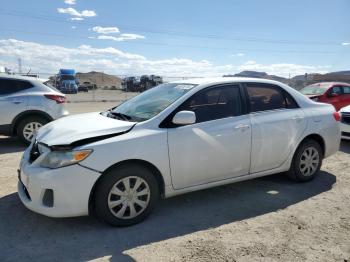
{"type": "Point", "coordinates": [29, 130]}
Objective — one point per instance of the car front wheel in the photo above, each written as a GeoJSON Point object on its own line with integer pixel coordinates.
{"type": "Point", "coordinates": [126, 195]}
{"type": "Point", "coordinates": [306, 162]}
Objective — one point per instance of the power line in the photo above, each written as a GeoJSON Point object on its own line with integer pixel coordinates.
{"type": "Point", "coordinates": [175, 45]}
{"type": "Point", "coordinates": [171, 32]}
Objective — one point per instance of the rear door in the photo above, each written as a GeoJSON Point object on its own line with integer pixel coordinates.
{"type": "Point", "coordinates": [346, 96]}
{"type": "Point", "coordinates": [336, 101]}
{"type": "Point", "coordinates": [13, 100]}
{"type": "Point", "coordinates": [277, 122]}
{"type": "Point", "coordinates": [217, 146]}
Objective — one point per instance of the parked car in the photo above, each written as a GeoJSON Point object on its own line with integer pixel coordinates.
{"type": "Point", "coordinates": [173, 139]}
{"type": "Point", "coordinates": [345, 122]}
{"type": "Point", "coordinates": [335, 93]}
{"type": "Point", "coordinates": [83, 88]}
{"type": "Point", "coordinates": [26, 104]}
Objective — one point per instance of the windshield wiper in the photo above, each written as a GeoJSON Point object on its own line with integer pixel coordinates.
{"type": "Point", "coordinates": [120, 116]}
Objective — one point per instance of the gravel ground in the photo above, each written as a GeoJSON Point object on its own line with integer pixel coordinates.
{"type": "Point", "coordinates": [100, 95]}
{"type": "Point", "coordinates": [266, 219]}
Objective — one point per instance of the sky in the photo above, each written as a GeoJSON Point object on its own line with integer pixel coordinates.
{"type": "Point", "coordinates": [176, 38]}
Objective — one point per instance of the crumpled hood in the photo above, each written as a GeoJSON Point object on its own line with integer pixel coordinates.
{"type": "Point", "coordinates": [69, 129]}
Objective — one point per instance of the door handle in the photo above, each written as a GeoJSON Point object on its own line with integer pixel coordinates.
{"type": "Point", "coordinates": [298, 118]}
{"type": "Point", "coordinates": [17, 102]}
{"type": "Point", "coordinates": [241, 127]}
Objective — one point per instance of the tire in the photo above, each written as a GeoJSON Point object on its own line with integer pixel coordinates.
{"type": "Point", "coordinates": [115, 208]}
{"type": "Point", "coordinates": [304, 169]}
{"type": "Point", "coordinates": [30, 123]}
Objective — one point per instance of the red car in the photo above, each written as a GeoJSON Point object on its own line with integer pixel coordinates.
{"type": "Point", "coordinates": [335, 93]}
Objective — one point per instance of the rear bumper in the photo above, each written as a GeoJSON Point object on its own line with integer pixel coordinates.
{"type": "Point", "coordinates": [69, 186]}
{"type": "Point", "coordinates": [345, 131]}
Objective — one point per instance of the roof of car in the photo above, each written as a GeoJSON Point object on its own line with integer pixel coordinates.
{"type": "Point", "coordinates": [331, 83]}
{"type": "Point", "coordinates": [222, 80]}
{"type": "Point", "coordinates": [19, 77]}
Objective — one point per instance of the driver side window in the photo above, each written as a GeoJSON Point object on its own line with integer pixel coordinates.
{"type": "Point", "coordinates": [215, 103]}
{"type": "Point", "coordinates": [336, 90]}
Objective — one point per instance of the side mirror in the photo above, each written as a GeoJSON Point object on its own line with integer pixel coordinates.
{"type": "Point", "coordinates": [184, 118]}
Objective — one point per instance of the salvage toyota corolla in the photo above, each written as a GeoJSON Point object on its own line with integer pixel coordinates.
{"type": "Point", "coordinates": [175, 138]}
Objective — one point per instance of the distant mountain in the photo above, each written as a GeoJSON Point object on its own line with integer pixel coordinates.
{"type": "Point", "coordinates": [101, 80]}
{"type": "Point", "coordinates": [299, 81]}
{"type": "Point", "coordinates": [252, 74]}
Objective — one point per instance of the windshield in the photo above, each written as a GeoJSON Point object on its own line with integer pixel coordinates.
{"type": "Point", "coordinates": [49, 84]}
{"type": "Point", "coordinates": [150, 103]}
{"type": "Point", "coordinates": [317, 89]}
{"type": "Point", "coordinates": [67, 77]}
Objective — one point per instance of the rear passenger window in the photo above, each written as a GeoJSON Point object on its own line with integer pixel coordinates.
{"type": "Point", "coordinates": [268, 97]}
{"type": "Point", "coordinates": [214, 103]}
{"type": "Point", "coordinates": [9, 86]}
{"type": "Point", "coordinates": [346, 90]}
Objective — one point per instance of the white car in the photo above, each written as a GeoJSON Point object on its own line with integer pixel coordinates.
{"type": "Point", "coordinates": [345, 122]}
{"type": "Point", "coordinates": [173, 139]}
{"type": "Point", "coordinates": [26, 104]}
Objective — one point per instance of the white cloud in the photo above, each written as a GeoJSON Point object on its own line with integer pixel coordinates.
{"type": "Point", "coordinates": [70, 2]}
{"type": "Point", "coordinates": [76, 18]}
{"type": "Point", "coordinates": [238, 54]}
{"type": "Point", "coordinates": [71, 11]}
{"type": "Point", "coordinates": [105, 30]}
{"type": "Point", "coordinates": [49, 58]}
{"type": "Point", "coordinates": [345, 43]}
{"type": "Point", "coordinates": [73, 27]}
{"type": "Point", "coordinates": [282, 69]}
{"type": "Point", "coordinates": [121, 38]}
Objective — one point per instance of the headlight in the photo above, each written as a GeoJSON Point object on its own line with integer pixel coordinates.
{"type": "Point", "coordinates": [56, 159]}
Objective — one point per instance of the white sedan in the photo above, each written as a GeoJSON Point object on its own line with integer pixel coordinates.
{"type": "Point", "coordinates": [345, 122]}
{"type": "Point", "coordinates": [173, 139]}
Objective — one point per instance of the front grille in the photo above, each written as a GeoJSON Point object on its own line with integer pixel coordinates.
{"type": "Point", "coordinates": [34, 152]}
{"type": "Point", "coordinates": [345, 134]}
{"type": "Point", "coordinates": [345, 118]}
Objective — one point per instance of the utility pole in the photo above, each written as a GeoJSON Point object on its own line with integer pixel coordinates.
{"type": "Point", "coordinates": [19, 65]}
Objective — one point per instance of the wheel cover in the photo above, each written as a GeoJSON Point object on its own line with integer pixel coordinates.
{"type": "Point", "coordinates": [129, 197]}
{"type": "Point", "coordinates": [29, 129]}
{"type": "Point", "coordinates": [309, 161]}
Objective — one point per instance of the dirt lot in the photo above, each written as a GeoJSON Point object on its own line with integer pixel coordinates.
{"type": "Point", "coordinates": [266, 219]}
{"type": "Point", "coordinates": [100, 95]}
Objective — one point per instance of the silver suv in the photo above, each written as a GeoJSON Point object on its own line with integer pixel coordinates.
{"type": "Point", "coordinates": [26, 104]}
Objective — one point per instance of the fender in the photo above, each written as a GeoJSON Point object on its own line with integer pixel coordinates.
{"type": "Point", "coordinates": [24, 114]}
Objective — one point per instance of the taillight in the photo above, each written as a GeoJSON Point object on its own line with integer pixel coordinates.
{"type": "Point", "coordinates": [337, 116]}
{"type": "Point", "coordinates": [59, 99]}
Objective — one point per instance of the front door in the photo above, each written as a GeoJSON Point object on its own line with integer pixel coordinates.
{"type": "Point", "coordinates": [217, 146]}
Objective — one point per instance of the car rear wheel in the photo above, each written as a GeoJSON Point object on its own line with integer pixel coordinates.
{"type": "Point", "coordinates": [125, 195]}
{"type": "Point", "coordinates": [307, 161]}
{"type": "Point", "coordinates": [28, 126]}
